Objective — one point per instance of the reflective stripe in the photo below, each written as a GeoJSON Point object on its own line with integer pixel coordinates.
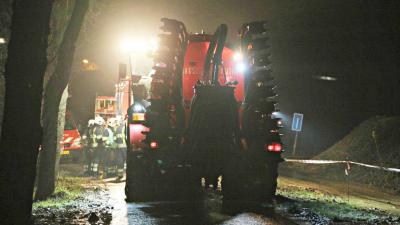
{"type": "Point", "coordinates": [120, 172]}
{"type": "Point", "coordinates": [95, 167]}
{"type": "Point", "coordinates": [123, 145]}
{"type": "Point", "coordinates": [108, 136]}
{"type": "Point", "coordinates": [93, 145]}
{"type": "Point", "coordinates": [91, 137]}
{"type": "Point", "coordinates": [120, 137]}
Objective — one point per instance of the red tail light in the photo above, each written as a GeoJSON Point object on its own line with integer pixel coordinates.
{"type": "Point", "coordinates": [153, 145]}
{"type": "Point", "coordinates": [273, 147]}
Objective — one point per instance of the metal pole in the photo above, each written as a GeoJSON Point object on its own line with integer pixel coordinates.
{"type": "Point", "coordinates": [130, 64]}
{"type": "Point", "coordinates": [348, 188]}
{"type": "Point", "coordinates": [129, 92]}
{"type": "Point", "coordinates": [347, 171]}
{"type": "Point", "coordinates": [95, 104]}
{"type": "Point", "coordinates": [295, 143]}
{"type": "Point", "coordinates": [377, 147]}
{"type": "Point", "coordinates": [118, 95]}
{"type": "Point", "coordinates": [130, 80]}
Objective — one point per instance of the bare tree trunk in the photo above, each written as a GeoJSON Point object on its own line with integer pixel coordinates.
{"type": "Point", "coordinates": [61, 123]}
{"type": "Point", "coordinates": [52, 97]}
{"type": "Point", "coordinates": [21, 134]}
{"type": "Point", "coordinates": [43, 163]}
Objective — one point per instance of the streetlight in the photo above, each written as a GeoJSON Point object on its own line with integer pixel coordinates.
{"type": "Point", "coordinates": [2, 40]}
{"type": "Point", "coordinates": [85, 61]}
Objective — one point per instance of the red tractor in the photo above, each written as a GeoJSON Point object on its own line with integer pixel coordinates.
{"type": "Point", "coordinates": [205, 119]}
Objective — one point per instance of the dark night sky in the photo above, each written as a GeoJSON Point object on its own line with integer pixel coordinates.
{"type": "Point", "coordinates": [356, 41]}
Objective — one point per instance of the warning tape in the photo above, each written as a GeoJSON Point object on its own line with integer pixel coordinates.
{"type": "Point", "coordinates": [377, 167]}
{"type": "Point", "coordinates": [313, 161]}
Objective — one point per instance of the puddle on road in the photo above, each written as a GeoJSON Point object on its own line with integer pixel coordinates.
{"type": "Point", "coordinates": [178, 213]}
{"type": "Point", "coordinates": [170, 213]}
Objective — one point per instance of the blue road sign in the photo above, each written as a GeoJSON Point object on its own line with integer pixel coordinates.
{"type": "Point", "coordinates": [297, 122]}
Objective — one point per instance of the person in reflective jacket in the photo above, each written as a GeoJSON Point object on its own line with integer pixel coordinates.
{"type": "Point", "coordinates": [109, 152]}
{"type": "Point", "coordinates": [120, 144]}
{"type": "Point", "coordinates": [90, 144]}
{"type": "Point", "coordinates": [100, 146]}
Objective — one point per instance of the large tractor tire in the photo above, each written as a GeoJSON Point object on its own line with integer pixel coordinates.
{"type": "Point", "coordinates": [232, 183]}
{"type": "Point", "coordinates": [212, 131]}
{"type": "Point", "coordinates": [153, 177]}
{"type": "Point", "coordinates": [271, 180]}
{"type": "Point", "coordinates": [260, 126]}
{"type": "Point", "coordinates": [248, 181]}
{"type": "Point", "coordinates": [158, 174]}
{"type": "Point", "coordinates": [136, 184]}
{"type": "Point", "coordinates": [262, 185]}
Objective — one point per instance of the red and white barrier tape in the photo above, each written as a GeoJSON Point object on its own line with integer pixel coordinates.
{"type": "Point", "coordinates": [313, 161]}
{"type": "Point", "coordinates": [376, 167]}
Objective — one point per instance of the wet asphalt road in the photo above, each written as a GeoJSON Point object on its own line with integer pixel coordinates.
{"type": "Point", "coordinates": [179, 213]}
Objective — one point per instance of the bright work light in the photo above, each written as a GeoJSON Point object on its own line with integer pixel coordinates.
{"type": "Point", "coordinates": [237, 57]}
{"type": "Point", "coordinates": [240, 67]}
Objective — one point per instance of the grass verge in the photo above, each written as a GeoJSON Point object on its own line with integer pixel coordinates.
{"type": "Point", "coordinates": [67, 190]}
{"type": "Point", "coordinates": [332, 206]}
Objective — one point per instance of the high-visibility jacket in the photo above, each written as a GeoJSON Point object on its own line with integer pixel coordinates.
{"type": "Point", "coordinates": [90, 138]}
{"type": "Point", "coordinates": [120, 137]}
{"type": "Point", "coordinates": [108, 137]}
{"type": "Point", "coordinates": [98, 134]}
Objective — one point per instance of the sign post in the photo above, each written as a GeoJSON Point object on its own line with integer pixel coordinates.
{"type": "Point", "coordinates": [297, 124]}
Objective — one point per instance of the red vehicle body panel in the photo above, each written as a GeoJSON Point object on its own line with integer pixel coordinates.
{"type": "Point", "coordinates": [68, 139]}
{"type": "Point", "coordinates": [71, 137]}
{"type": "Point", "coordinates": [193, 68]}
{"type": "Point", "coordinates": [192, 72]}
{"type": "Point", "coordinates": [136, 136]}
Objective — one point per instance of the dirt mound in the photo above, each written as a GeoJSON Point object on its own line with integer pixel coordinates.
{"type": "Point", "coordinates": [376, 141]}
{"type": "Point", "coordinates": [378, 137]}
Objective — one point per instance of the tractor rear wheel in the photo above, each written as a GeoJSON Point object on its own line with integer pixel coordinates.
{"type": "Point", "coordinates": [135, 188]}
{"type": "Point", "coordinates": [271, 180]}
